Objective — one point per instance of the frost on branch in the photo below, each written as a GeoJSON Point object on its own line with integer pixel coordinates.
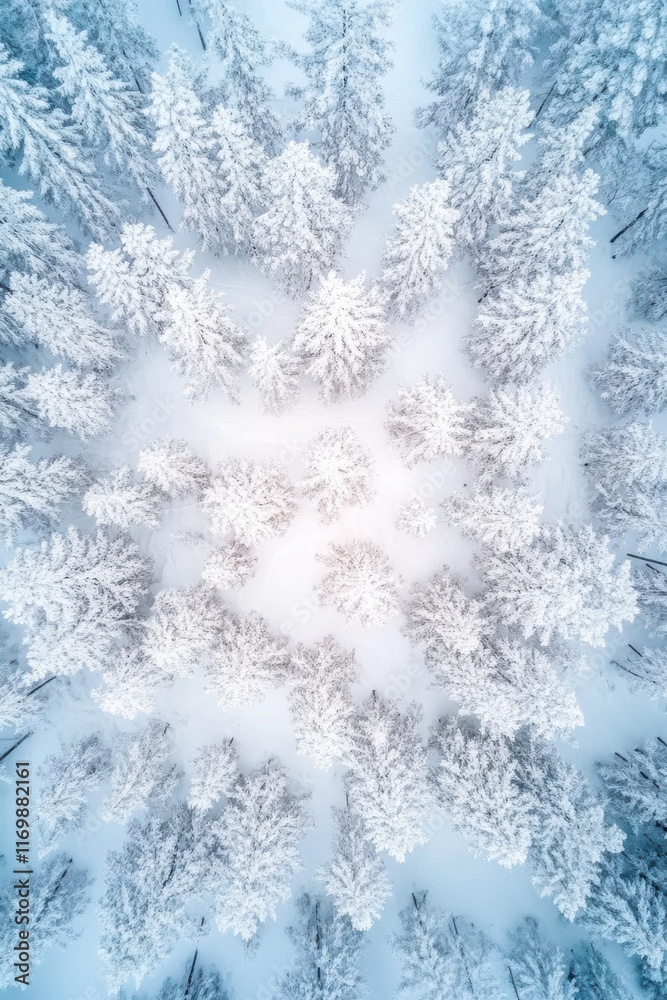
{"type": "Point", "coordinates": [31, 493]}
{"type": "Point", "coordinates": [19, 709]}
{"type": "Point", "coordinates": [142, 777]}
{"type": "Point", "coordinates": [229, 566]}
{"type": "Point", "coordinates": [633, 377]}
{"type": "Point", "coordinates": [254, 501]}
{"type": "Point", "coordinates": [276, 372]}
{"type": "Point", "coordinates": [247, 659]}
{"type": "Point", "coordinates": [356, 877]}
{"type": "Point", "coordinates": [30, 242]}
{"type": "Point", "coordinates": [338, 472]}
{"type": "Point", "coordinates": [117, 500]}
{"type": "Point", "coordinates": [321, 702]}
{"type": "Point", "coordinates": [502, 519]}
{"type": "Point", "coordinates": [129, 683]}
{"type": "Point", "coordinates": [440, 619]}
{"type": "Point", "coordinates": [388, 784]}
{"type": "Point", "coordinates": [635, 780]}
{"type": "Point", "coordinates": [173, 468]}
{"type": "Point", "coordinates": [342, 337]}
{"type": "Point", "coordinates": [182, 628]}
{"type": "Point", "coordinates": [416, 519]}
{"type": "Point", "coordinates": [215, 771]}
{"type": "Point", "coordinates": [82, 404]}
{"type": "Point", "coordinates": [426, 423]}
{"type": "Point", "coordinates": [540, 970]}
{"type": "Point", "coordinates": [361, 583]}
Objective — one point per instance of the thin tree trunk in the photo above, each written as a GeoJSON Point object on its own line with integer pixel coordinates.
{"type": "Point", "coordinates": [14, 746]}
{"type": "Point", "coordinates": [629, 225]}
{"type": "Point", "coordinates": [178, 4]}
{"type": "Point", "coordinates": [541, 107]}
{"type": "Point", "coordinates": [631, 555]}
{"type": "Point", "coordinates": [635, 650]}
{"type": "Point", "coordinates": [194, 17]}
{"type": "Point", "coordinates": [159, 208]}
{"type": "Point", "coordinates": [192, 972]}
{"type": "Point", "coordinates": [516, 992]}
{"type": "Point", "coordinates": [38, 687]}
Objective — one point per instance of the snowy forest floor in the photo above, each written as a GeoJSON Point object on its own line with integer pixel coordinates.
{"type": "Point", "coordinates": [282, 590]}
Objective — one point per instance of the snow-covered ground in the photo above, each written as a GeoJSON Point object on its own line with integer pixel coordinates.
{"type": "Point", "coordinates": [282, 589]}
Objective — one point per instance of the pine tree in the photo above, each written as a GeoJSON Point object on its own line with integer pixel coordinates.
{"type": "Point", "coordinates": [29, 242]}
{"type": "Point", "coordinates": [387, 784]}
{"type": "Point", "coordinates": [182, 629]}
{"type": "Point", "coordinates": [440, 619]}
{"type": "Point", "coordinates": [360, 583]}
{"type": "Point", "coordinates": [197, 983]}
{"type": "Point", "coordinates": [651, 588]}
{"type": "Point", "coordinates": [537, 968]}
{"type": "Point", "coordinates": [229, 567]}
{"type": "Point", "coordinates": [416, 519]}
{"type": "Point", "coordinates": [113, 28]}
{"type": "Point", "coordinates": [115, 499]}
{"type": "Point", "coordinates": [31, 493]}
{"type": "Point", "coordinates": [74, 594]}
{"type": "Point", "coordinates": [476, 158]}
{"type": "Point", "coordinates": [567, 583]}
{"type": "Point", "coordinates": [51, 147]}
{"type": "Point", "coordinates": [215, 772]}
{"type": "Point", "coordinates": [81, 404]}
{"type": "Point", "coordinates": [142, 776]}
{"type": "Point", "coordinates": [129, 683]}
{"type": "Point", "coordinates": [18, 416]}
{"type": "Point", "coordinates": [505, 431]}
{"type": "Point", "coordinates": [328, 950]}
{"type": "Point", "coordinates": [253, 500]}
{"type": "Point", "coordinates": [484, 46]}
{"type": "Point", "coordinates": [256, 838]}
{"type": "Point", "coordinates": [276, 372]}
{"type": "Point", "coordinates": [649, 292]}
{"type": "Point", "coordinates": [299, 237]}
{"type": "Point", "coordinates": [19, 710]}
{"type": "Point", "coordinates": [321, 702]}
{"type": "Point", "coordinates": [133, 281]}
{"type": "Point", "coordinates": [52, 315]}
{"type": "Point", "coordinates": [343, 98]}
{"type": "Point", "coordinates": [501, 519]}
{"type": "Point", "coordinates": [594, 977]}
{"type": "Point", "coordinates": [356, 877]}
{"type": "Point", "coordinates": [342, 337]}
{"type": "Point", "coordinates": [419, 248]}
{"type": "Point", "coordinates": [632, 378]}
{"type": "Point", "coordinates": [207, 348]}
{"type": "Point", "coordinates": [173, 468]}
{"type": "Point", "coordinates": [65, 779]}
{"type": "Point", "coordinates": [338, 472]}
{"type": "Point", "coordinates": [186, 150]}
{"type": "Point", "coordinates": [241, 163]}
{"type": "Point", "coordinates": [247, 659]}
{"type": "Point", "coordinates": [635, 781]}
{"type": "Point", "coordinates": [427, 423]}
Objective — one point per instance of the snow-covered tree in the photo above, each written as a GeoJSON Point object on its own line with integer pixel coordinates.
{"type": "Point", "coordinates": [342, 337]}
{"type": "Point", "coordinates": [276, 372]}
{"type": "Point", "coordinates": [214, 773]}
{"type": "Point", "coordinates": [476, 160]}
{"type": "Point", "coordinates": [419, 248]}
{"type": "Point", "coordinates": [356, 877]}
{"type": "Point", "coordinates": [31, 493]}
{"type": "Point", "coordinates": [257, 840]}
{"type": "Point", "coordinates": [338, 472]}
{"type": "Point", "coordinates": [207, 348]}
{"type": "Point", "coordinates": [182, 629]}
{"type": "Point", "coordinates": [19, 709]}
{"type": "Point", "coordinates": [229, 566]}
{"type": "Point", "coordinates": [129, 683]}
{"type": "Point", "coordinates": [172, 467]}
{"type": "Point", "coordinates": [594, 977]}
{"type": "Point", "coordinates": [243, 54]}
{"type": "Point", "coordinates": [114, 29]}
{"type": "Point", "coordinates": [109, 112]}
{"type": "Point", "coordinates": [116, 499]}
{"type": "Point", "coordinates": [526, 324]}
{"type": "Point", "coordinates": [82, 404]}
{"type": "Point", "coordinates": [328, 951]}
{"type": "Point", "coordinates": [538, 969]}
{"type": "Point", "coordinates": [416, 519]}
{"type": "Point", "coordinates": [197, 982]}
{"type": "Point", "coordinates": [479, 783]}
{"type": "Point", "coordinates": [133, 280]}
{"type": "Point", "coordinates": [649, 292]}
{"type": "Point", "coordinates": [74, 594]}
{"type": "Point", "coordinates": [186, 149]}
{"type": "Point", "coordinates": [247, 659]}
{"type": "Point", "coordinates": [55, 316]}
{"type": "Point", "coordinates": [502, 519]}
{"type": "Point", "coordinates": [635, 781]}
{"type": "Point", "coordinates": [506, 430]}
{"type": "Point", "coordinates": [51, 147]}
{"type": "Point", "coordinates": [142, 774]}
{"type": "Point", "coordinates": [387, 784]}
{"type": "Point", "coordinates": [360, 583]}
{"type": "Point", "coordinates": [484, 46]}
{"type": "Point", "coordinates": [651, 588]}
{"type": "Point", "coordinates": [64, 781]}
{"type": "Point", "coordinates": [17, 415]}
{"type": "Point", "coordinates": [440, 619]}
{"type": "Point", "coordinates": [566, 583]}
{"type": "Point", "coordinates": [427, 423]}
{"type": "Point", "coordinates": [29, 242]}
{"type": "Point", "coordinates": [241, 163]}
{"type": "Point", "coordinates": [299, 237]}
{"type": "Point", "coordinates": [343, 97]}
{"type": "Point", "coordinates": [255, 501]}
{"type": "Point", "coordinates": [321, 702]}
{"type": "Point", "coordinates": [633, 377]}
{"type": "Point", "coordinates": [444, 956]}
